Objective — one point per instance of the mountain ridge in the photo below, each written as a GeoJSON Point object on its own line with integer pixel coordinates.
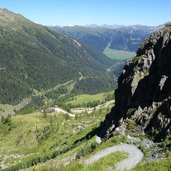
{"type": "Point", "coordinates": [143, 93]}
{"type": "Point", "coordinates": [126, 38]}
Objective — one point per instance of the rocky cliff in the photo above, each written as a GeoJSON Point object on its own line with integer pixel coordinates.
{"type": "Point", "coordinates": [144, 89]}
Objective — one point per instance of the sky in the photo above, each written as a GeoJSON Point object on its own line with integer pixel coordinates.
{"type": "Point", "coordinates": [85, 12]}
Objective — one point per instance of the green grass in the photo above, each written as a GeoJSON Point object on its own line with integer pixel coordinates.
{"type": "Point", "coordinates": [160, 165]}
{"type": "Point", "coordinates": [32, 137]}
{"type": "Point", "coordinates": [107, 162]}
{"type": "Point", "coordinates": [84, 99]}
{"type": "Point", "coordinates": [118, 54]}
{"type": "Point", "coordinates": [103, 164]}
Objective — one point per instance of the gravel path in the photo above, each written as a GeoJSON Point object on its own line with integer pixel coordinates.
{"type": "Point", "coordinates": [58, 109]}
{"type": "Point", "coordinates": [134, 156]}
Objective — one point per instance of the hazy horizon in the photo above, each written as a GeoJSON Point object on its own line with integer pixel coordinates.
{"type": "Point", "coordinates": [87, 12]}
{"type": "Point", "coordinates": [103, 25]}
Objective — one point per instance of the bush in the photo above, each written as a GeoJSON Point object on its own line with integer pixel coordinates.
{"type": "Point", "coordinates": [86, 150]}
{"type": "Point", "coordinates": [6, 120]}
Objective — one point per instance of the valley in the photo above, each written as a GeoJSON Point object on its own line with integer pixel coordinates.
{"type": "Point", "coordinates": [118, 43]}
{"type": "Point", "coordinates": [84, 98]}
{"type": "Point", "coordinates": [118, 54]}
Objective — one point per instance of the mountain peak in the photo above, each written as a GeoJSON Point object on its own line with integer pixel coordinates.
{"type": "Point", "coordinates": [4, 10]}
{"type": "Point", "coordinates": [5, 14]}
{"type": "Point", "coordinates": [11, 20]}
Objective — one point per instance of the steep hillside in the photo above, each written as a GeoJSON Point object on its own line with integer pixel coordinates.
{"type": "Point", "coordinates": [123, 38]}
{"type": "Point", "coordinates": [33, 58]}
{"type": "Point", "coordinates": [144, 89]}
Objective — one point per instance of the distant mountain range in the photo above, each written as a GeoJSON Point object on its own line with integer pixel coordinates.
{"type": "Point", "coordinates": [33, 58]}
{"type": "Point", "coordinates": [116, 37]}
{"type": "Point", "coordinates": [136, 26]}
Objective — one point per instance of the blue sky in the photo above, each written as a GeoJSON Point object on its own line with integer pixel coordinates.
{"type": "Point", "coordinates": [82, 12]}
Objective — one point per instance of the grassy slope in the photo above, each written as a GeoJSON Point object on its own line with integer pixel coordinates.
{"type": "Point", "coordinates": [26, 137]}
{"type": "Point", "coordinates": [103, 164]}
{"type": "Point", "coordinates": [160, 165]}
{"type": "Point", "coordinates": [77, 165]}
{"type": "Point", "coordinates": [29, 136]}
{"type": "Point", "coordinates": [83, 99]}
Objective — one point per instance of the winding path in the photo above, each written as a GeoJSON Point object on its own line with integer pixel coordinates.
{"type": "Point", "coordinates": [58, 109]}
{"type": "Point", "coordinates": [134, 156]}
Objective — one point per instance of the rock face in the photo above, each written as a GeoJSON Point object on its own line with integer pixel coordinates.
{"type": "Point", "coordinates": [144, 89]}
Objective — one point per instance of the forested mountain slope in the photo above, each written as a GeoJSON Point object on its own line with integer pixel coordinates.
{"type": "Point", "coordinates": [34, 58]}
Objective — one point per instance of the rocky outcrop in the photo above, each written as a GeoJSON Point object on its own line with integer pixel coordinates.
{"type": "Point", "coordinates": [144, 89]}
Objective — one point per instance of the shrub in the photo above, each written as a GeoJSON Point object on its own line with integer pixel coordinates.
{"type": "Point", "coordinates": [86, 150]}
